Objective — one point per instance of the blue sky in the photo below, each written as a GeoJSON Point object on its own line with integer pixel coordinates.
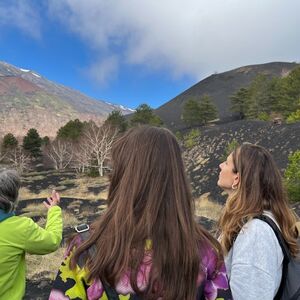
{"type": "Point", "coordinates": [136, 51]}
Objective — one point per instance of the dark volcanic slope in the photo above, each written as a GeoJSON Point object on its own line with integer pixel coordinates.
{"type": "Point", "coordinates": [203, 160]}
{"type": "Point", "coordinates": [220, 87]}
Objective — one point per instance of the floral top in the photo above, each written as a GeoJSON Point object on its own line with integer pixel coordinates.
{"type": "Point", "coordinates": [73, 284]}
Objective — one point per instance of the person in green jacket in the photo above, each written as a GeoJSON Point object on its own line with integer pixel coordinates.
{"type": "Point", "coordinates": [20, 235]}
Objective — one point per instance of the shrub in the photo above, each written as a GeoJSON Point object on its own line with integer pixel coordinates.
{"type": "Point", "coordinates": [292, 176]}
{"type": "Point", "coordinates": [179, 136]}
{"type": "Point", "coordinates": [229, 148]}
{"type": "Point", "coordinates": [190, 139]}
{"type": "Point", "coordinates": [9, 142]}
{"type": "Point", "coordinates": [294, 117]}
{"type": "Point", "coordinates": [263, 116]}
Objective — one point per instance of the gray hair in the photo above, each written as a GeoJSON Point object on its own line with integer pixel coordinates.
{"type": "Point", "coordinates": [9, 189]}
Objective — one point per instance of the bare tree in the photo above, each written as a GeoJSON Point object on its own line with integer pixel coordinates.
{"type": "Point", "coordinates": [2, 155]}
{"type": "Point", "coordinates": [82, 157]}
{"type": "Point", "coordinates": [98, 141]}
{"type": "Point", "coordinates": [19, 160]}
{"type": "Point", "coordinates": [61, 153]}
{"type": "Point", "coordinates": [2, 152]}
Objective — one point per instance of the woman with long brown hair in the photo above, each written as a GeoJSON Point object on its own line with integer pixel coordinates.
{"type": "Point", "coordinates": [253, 255]}
{"type": "Point", "coordinates": [147, 244]}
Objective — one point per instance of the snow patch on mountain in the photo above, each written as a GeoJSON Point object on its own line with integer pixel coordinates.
{"type": "Point", "coordinates": [126, 108]}
{"type": "Point", "coordinates": [36, 75]}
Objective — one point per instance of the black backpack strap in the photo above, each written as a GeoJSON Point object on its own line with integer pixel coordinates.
{"type": "Point", "coordinates": [200, 292]}
{"type": "Point", "coordinates": [285, 251]}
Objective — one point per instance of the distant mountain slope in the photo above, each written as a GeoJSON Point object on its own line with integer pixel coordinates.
{"type": "Point", "coordinates": [220, 87]}
{"type": "Point", "coordinates": [29, 100]}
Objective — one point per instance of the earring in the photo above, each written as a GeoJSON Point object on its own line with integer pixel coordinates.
{"type": "Point", "coordinates": [234, 186]}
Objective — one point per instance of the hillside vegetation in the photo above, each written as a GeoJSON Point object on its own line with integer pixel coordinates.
{"type": "Point", "coordinates": [220, 87]}
{"type": "Point", "coordinates": [266, 98]}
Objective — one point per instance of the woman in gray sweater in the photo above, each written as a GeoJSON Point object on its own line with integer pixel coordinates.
{"type": "Point", "coordinates": [253, 255]}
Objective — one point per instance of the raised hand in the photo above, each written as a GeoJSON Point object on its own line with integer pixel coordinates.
{"type": "Point", "coordinates": [53, 200]}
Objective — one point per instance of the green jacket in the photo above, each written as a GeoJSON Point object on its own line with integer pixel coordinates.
{"type": "Point", "coordinates": [20, 235]}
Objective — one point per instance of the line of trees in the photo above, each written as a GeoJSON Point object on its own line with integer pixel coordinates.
{"type": "Point", "coordinates": [20, 156]}
{"type": "Point", "coordinates": [83, 146]}
{"type": "Point", "coordinates": [267, 97]}
{"type": "Point", "coordinates": [143, 115]}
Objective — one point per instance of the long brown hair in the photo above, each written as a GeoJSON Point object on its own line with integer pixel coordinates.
{"type": "Point", "coordinates": [149, 199]}
{"type": "Point", "coordinates": [260, 188]}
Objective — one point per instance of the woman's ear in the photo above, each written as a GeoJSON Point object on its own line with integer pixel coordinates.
{"type": "Point", "coordinates": [236, 179]}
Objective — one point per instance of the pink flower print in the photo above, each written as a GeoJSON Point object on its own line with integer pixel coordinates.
{"type": "Point", "coordinates": [57, 295]}
{"type": "Point", "coordinates": [95, 291]}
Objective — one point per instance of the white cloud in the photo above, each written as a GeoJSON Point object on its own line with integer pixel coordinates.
{"type": "Point", "coordinates": [103, 70]}
{"type": "Point", "coordinates": [21, 14]}
{"type": "Point", "coordinates": [191, 37]}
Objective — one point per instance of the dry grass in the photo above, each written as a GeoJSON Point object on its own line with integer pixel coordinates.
{"type": "Point", "coordinates": [69, 220]}
{"type": "Point", "coordinates": [205, 207]}
{"type": "Point", "coordinates": [102, 207]}
{"type": "Point", "coordinates": [35, 207]}
{"type": "Point", "coordinates": [103, 195]}
{"type": "Point", "coordinates": [79, 190]}
{"type": "Point", "coordinates": [34, 176]}
{"type": "Point", "coordinates": [25, 193]}
{"type": "Point", "coordinates": [37, 264]}
{"type": "Point", "coordinates": [34, 210]}
{"type": "Point", "coordinates": [75, 203]}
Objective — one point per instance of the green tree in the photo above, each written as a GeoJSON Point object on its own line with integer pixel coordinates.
{"type": "Point", "coordinates": [240, 102]}
{"type": "Point", "coordinates": [292, 176]}
{"type": "Point", "coordinates": [9, 142]}
{"type": "Point", "coordinates": [191, 114]}
{"type": "Point", "coordinates": [259, 97]}
{"type": "Point", "coordinates": [275, 91]}
{"type": "Point", "coordinates": [32, 143]}
{"type": "Point", "coordinates": [286, 93]}
{"type": "Point", "coordinates": [144, 115]}
{"type": "Point", "coordinates": [71, 131]}
{"type": "Point", "coordinates": [290, 92]}
{"type": "Point", "coordinates": [45, 141]}
{"type": "Point", "coordinates": [208, 110]}
{"type": "Point", "coordinates": [116, 119]}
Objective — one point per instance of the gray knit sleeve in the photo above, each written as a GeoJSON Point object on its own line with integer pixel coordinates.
{"type": "Point", "coordinates": [255, 263]}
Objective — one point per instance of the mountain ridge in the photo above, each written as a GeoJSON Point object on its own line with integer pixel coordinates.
{"type": "Point", "coordinates": [220, 87]}
{"type": "Point", "coordinates": [27, 99]}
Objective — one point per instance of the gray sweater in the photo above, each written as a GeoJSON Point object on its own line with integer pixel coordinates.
{"type": "Point", "coordinates": [254, 263]}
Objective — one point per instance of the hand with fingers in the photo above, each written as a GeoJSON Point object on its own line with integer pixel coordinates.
{"type": "Point", "coordinates": [53, 200]}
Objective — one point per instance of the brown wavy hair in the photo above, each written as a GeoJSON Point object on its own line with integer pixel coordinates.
{"type": "Point", "coordinates": [149, 199]}
{"type": "Point", "coordinates": [260, 188]}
